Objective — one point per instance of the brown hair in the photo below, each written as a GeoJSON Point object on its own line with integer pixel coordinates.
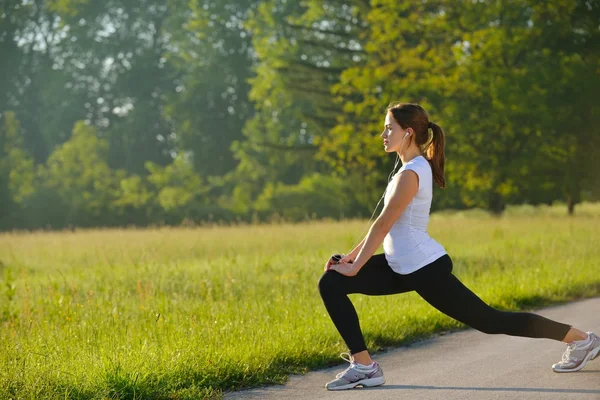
{"type": "Point", "coordinates": [414, 116]}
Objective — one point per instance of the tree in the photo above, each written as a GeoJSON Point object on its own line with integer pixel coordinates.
{"type": "Point", "coordinates": [408, 49]}
{"type": "Point", "coordinates": [176, 184]}
{"type": "Point", "coordinates": [117, 54]}
{"type": "Point", "coordinates": [497, 76]}
{"type": "Point", "coordinates": [302, 49]}
{"type": "Point", "coordinates": [16, 171]}
{"type": "Point", "coordinates": [34, 83]}
{"type": "Point", "coordinates": [77, 177]}
{"type": "Point", "coordinates": [212, 52]}
{"type": "Point", "coordinates": [534, 69]}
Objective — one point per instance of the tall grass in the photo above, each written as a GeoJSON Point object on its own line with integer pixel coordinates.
{"type": "Point", "coordinates": [189, 312]}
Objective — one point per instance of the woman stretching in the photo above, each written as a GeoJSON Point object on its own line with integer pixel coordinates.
{"type": "Point", "coordinates": [412, 260]}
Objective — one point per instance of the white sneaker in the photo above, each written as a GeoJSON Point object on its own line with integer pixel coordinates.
{"type": "Point", "coordinates": [578, 354]}
{"type": "Point", "coordinates": [356, 375]}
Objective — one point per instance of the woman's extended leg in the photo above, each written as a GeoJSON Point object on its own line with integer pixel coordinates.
{"type": "Point", "coordinates": [440, 288]}
{"type": "Point", "coordinates": [436, 284]}
{"type": "Point", "coordinates": [375, 278]}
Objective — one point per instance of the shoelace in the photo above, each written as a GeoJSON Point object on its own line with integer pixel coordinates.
{"type": "Point", "coordinates": [353, 365]}
{"type": "Point", "coordinates": [567, 354]}
{"type": "Point", "coordinates": [349, 359]}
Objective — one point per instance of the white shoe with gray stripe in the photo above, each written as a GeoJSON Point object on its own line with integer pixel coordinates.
{"type": "Point", "coordinates": [578, 354]}
{"type": "Point", "coordinates": [357, 375]}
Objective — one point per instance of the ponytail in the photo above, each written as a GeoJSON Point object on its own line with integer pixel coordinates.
{"type": "Point", "coordinates": [413, 115]}
{"type": "Point", "coordinates": [435, 154]}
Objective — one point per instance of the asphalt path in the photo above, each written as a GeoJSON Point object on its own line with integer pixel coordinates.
{"type": "Point", "coordinates": [465, 365]}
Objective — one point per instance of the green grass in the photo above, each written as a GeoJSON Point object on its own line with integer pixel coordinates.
{"type": "Point", "coordinates": [189, 313]}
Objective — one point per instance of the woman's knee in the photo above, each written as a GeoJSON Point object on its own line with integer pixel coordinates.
{"type": "Point", "coordinates": [328, 281]}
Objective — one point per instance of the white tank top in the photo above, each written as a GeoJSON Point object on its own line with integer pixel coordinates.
{"type": "Point", "coordinates": [408, 246]}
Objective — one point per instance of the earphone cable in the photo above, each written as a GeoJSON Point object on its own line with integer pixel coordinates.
{"type": "Point", "coordinates": [390, 176]}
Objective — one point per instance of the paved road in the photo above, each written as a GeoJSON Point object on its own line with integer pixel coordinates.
{"type": "Point", "coordinates": [465, 365]}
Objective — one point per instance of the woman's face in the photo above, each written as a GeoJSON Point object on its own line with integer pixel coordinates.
{"type": "Point", "coordinates": [392, 134]}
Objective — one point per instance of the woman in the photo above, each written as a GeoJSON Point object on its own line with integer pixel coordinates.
{"type": "Point", "coordinates": [412, 260]}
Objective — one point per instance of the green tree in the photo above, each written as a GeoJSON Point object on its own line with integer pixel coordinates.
{"type": "Point", "coordinates": [314, 196]}
{"type": "Point", "coordinates": [302, 48]}
{"type": "Point", "coordinates": [407, 47]}
{"type": "Point", "coordinates": [10, 18]}
{"type": "Point", "coordinates": [77, 177]}
{"type": "Point", "coordinates": [180, 192]}
{"type": "Point", "coordinates": [36, 82]}
{"type": "Point", "coordinates": [499, 76]}
{"type": "Point", "coordinates": [117, 56]}
{"type": "Point", "coordinates": [176, 184]}
{"type": "Point", "coordinates": [212, 53]}
{"type": "Point", "coordinates": [16, 171]}
{"type": "Point", "coordinates": [534, 69]}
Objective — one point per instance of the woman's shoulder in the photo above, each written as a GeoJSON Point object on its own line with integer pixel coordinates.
{"type": "Point", "coordinates": [419, 163]}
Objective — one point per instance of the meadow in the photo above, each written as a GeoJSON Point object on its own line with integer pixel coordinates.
{"type": "Point", "coordinates": [188, 313]}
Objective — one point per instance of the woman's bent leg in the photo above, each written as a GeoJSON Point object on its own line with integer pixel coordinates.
{"type": "Point", "coordinates": [440, 288]}
{"type": "Point", "coordinates": [375, 278]}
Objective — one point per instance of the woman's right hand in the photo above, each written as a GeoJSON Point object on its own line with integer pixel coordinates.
{"type": "Point", "coordinates": [329, 263]}
{"type": "Point", "coordinates": [348, 259]}
{"type": "Point", "coordinates": [345, 259]}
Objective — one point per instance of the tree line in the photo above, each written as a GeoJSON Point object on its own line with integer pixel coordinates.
{"type": "Point", "coordinates": [143, 112]}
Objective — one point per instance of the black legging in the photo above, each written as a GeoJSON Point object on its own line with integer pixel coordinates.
{"type": "Point", "coordinates": [439, 287]}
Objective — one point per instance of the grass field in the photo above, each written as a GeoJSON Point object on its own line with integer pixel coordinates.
{"type": "Point", "coordinates": [188, 313]}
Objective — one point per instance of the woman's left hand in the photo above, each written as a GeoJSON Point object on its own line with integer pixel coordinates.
{"type": "Point", "coordinates": [347, 269]}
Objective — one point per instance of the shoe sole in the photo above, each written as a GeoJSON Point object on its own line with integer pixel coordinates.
{"type": "Point", "coordinates": [590, 356]}
{"type": "Point", "coordinates": [365, 382]}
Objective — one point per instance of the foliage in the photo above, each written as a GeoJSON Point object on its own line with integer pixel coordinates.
{"type": "Point", "coordinates": [498, 77]}
{"type": "Point", "coordinates": [199, 110]}
{"type": "Point", "coordinates": [322, 196]}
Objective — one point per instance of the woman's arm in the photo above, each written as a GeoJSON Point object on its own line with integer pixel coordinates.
{"type": "Point", "coordinates": [354, 253]}
{"type": "Point", "coordinates": [402, 194]}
